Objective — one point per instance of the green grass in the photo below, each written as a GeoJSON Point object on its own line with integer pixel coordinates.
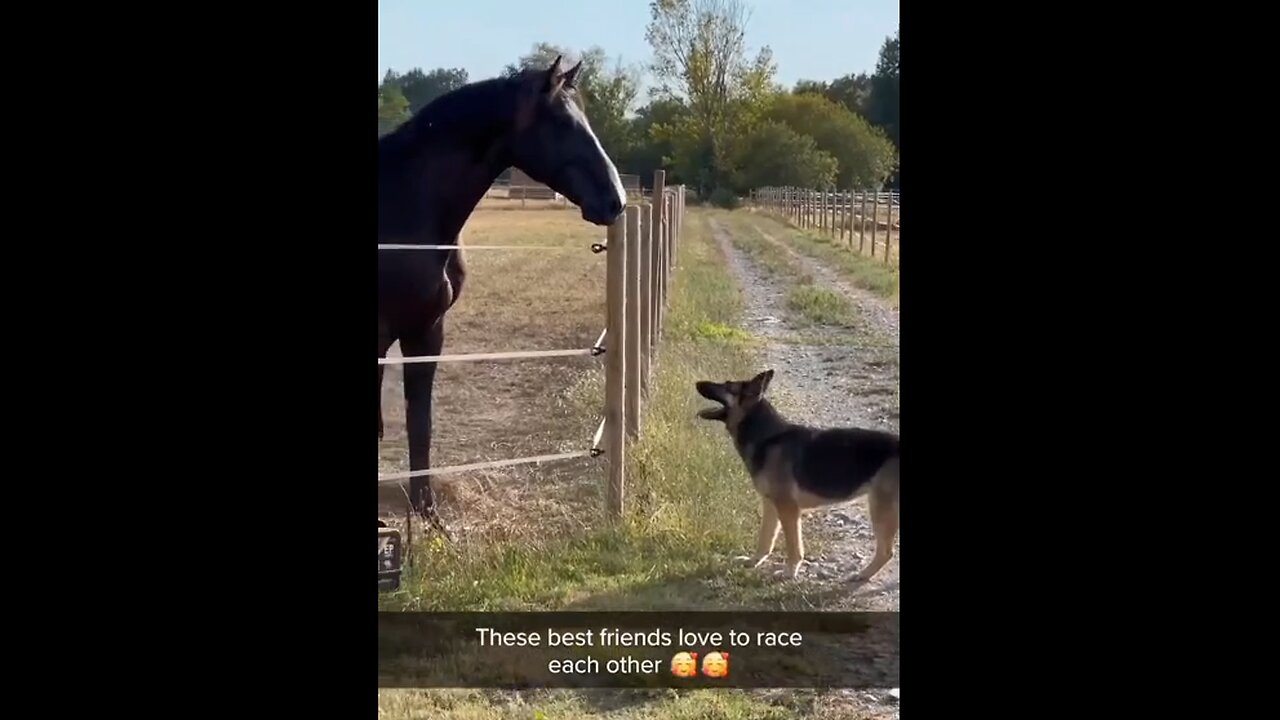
{"type": "Point", "coordinates": [572, 704]}
{"type": "Point", "coordinates": [668, 552]}
{"type": "Point", "coordinates": [807, 300]}
{"type": "Point", "coordinates": [822, 306]}
{"type": "Point", "coordinates": [689, 509]}
{"type": "Point", "coordinates": [869, 273]}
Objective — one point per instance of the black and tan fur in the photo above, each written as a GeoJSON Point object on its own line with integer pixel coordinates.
{"type": "Point", "coordinates": [795, 467]}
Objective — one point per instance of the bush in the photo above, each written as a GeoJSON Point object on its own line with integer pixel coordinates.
{"type": "Point", "coordinates": [725, 198]}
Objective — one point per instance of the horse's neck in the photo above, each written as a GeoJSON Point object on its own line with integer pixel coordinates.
{"type": "Point", "coordinates": [449, 183]}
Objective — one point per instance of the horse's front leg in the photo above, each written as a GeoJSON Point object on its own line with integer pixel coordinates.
{"type": "Point", "coordinates": [418, 381]}
{"type": "Point", "coordinates": [384, 344]}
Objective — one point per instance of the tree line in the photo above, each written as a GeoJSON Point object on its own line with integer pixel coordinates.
{"type": "Point", "coordinates": [715, 119]}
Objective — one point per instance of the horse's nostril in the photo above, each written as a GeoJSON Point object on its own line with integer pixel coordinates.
{"type": "Point", "coordinates": [615, 206]}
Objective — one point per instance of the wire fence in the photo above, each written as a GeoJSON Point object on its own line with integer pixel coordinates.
{"type": "Point", "coordinates": [641, 247]}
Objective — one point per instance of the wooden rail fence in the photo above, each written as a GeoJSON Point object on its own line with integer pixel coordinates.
{"type": "Point", "coordinates": [641, 249]}
{"type": "Point", "coordinates": [874, 216]}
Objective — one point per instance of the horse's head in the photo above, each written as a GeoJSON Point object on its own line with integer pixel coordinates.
{"type": "Point", "coordinates": [553, 143]}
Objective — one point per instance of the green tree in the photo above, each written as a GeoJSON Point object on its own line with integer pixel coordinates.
{"type": "Point", "coordinates": [700, 57]}
{"type": "Point", "coordinates": [882, 106]}
{"type": "Point", "coordinates": [852, 91]}
{"type": "Point", "coordinates": [651, 152]}
{"type": "Point", "coordinates": [421, 88]}
{"type": "Point", "coordinates": [393, 108]}
{"type": "Point", "coordinates": [778, 155]}
{"type": "Point", "coordinates": [812, 87]}
{"type": "Point", "coordinates": [865, 156]}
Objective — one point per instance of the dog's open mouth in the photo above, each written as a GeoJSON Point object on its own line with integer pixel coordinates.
{"type": "Point", "coordinates": [715, 392]}
{"type": "Point", "coordinates": [713, 413]}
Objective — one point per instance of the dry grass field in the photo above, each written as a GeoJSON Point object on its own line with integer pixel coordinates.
{"type": "Point", "coordinates": [513, 300]}
{"type": "Point", "coordinates": [535, 537]}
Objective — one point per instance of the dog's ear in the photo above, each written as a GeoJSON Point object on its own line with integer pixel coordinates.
{"type": "Point", "coordinates": [759, 384]}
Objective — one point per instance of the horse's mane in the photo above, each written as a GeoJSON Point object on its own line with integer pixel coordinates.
{"type": "Point", "coordinates": [468, 110]}
{"type": "Point", "coordinates": [464, 111]}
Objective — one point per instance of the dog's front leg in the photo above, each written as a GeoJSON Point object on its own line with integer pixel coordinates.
{"type": "Point", "coordinates": [768, 535]}
{"type": "Point", "coordinates": [789, 513]}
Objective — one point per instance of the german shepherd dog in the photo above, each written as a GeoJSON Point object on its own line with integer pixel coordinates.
{"type": "Point", "coordinates": [795, 467]}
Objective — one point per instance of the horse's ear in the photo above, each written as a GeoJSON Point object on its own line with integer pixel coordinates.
{"type": "Point", "coordinates": [551, 78]}
{"type": "Point", "coordinates": [572, 74]}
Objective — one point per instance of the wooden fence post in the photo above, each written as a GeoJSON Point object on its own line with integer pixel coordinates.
{"type": "Point", "coordinates": [888, 233]}
{"type": "Point", "coordinates": [675, 225]}
{"type": "Point", "coordinates": [661, 271]}
{"type": "Point", "coordinates": [875, 222]}
{"type": "Point", "coordinates": [615, 367]}
{"type": "Point", "coordinates": [680, 230]}
{"type": "Point", "coordinates": [832, 205]}
{"type": "Point", "coordinates": [646, 293]}
{"type": "Point", "coordinates": [862, 222]}
{"type": "Point", "coordinates": [666, 248]}
{"type": "Point", "coordinates": [666, 261]}
{"type": "Point", "coordinates": [844, 207]}
{"type": "Point", "coordinates": [848, 201]}
{"type": "Point", "coordinates": [655, 239]}
{"type": "Point", "coordinates": [660, 226]}
{"type": "Point", "coordinates": [633, 322]}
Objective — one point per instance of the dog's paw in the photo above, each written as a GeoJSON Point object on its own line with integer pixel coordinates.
{"type": "Point", "coordinates": [750, 561]}
{"type": "Point", "coordinates": [789, 572]}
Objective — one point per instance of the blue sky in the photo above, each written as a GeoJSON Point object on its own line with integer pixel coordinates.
{"type": "Point", "coordinates": [811, 39]}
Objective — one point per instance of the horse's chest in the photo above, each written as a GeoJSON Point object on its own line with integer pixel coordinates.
{"type": "Point", "coordinates": [417, 287]}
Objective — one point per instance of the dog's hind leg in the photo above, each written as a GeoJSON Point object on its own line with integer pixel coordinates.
{"type": "Point", "coordinates": [768, 535]}
{"type": "Point", "coordinates": [789, 514]}
{"type": "Point", "coordinates": [883, 505]}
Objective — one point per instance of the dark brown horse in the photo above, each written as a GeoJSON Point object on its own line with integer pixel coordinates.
{"type": "Point", "coordinates": [432, 172]}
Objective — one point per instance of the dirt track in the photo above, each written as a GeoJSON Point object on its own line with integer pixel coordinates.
{"type": "Point", "coordinates": [850, 379]}
{"type": "Point", "coordinates": [851, 382]}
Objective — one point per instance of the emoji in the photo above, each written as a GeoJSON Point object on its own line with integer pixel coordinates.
{"type": "Point", "coordinates": [716, 664]}
{"type": "Point", "coordinates": [684, 664]}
